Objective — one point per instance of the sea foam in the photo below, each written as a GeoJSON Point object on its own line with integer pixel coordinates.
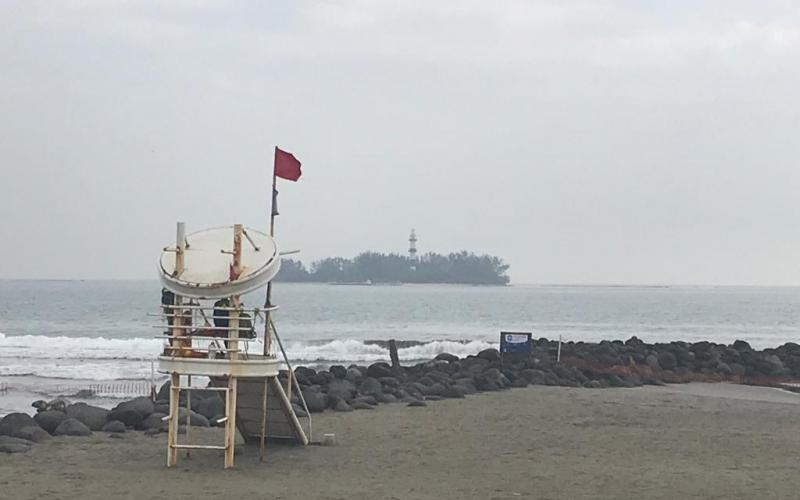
{"type": "Point", "coordinates": [97, 358]}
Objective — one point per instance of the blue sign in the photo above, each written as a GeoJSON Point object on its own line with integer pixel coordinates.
{"type": "Point", "coordinates": [515, 343]}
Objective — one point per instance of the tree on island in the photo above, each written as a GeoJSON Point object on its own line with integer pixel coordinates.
{"type": "Point", "coordinates": [456, 268]}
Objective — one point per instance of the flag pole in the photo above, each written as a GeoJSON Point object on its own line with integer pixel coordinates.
{"type": "Point", "coordinates": [268, 303]}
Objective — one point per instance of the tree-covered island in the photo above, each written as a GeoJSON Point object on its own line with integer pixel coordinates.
{"type": "Point", "coordinates": [372, 267]}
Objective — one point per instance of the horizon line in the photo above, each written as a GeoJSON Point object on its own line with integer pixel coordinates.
{"type": "Point", "coordinates": [541, 284]}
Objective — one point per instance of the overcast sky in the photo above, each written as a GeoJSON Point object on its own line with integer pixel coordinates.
{"type": "Point", "coordinates": [583, 142]}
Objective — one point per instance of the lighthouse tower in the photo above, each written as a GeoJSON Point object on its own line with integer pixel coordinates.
{"type": "Point", "coordinates": [412, 246]}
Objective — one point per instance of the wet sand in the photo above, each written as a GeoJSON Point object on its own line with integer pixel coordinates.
{"type": "Point", "coordinates": [691, 441]}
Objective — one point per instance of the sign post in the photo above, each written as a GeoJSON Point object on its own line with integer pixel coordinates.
{"type": "Point", "coordinates": [515, 346]}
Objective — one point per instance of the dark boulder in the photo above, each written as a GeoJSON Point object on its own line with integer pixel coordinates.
{"type": "Point", "coordinates": [386, 398]}
{"type": "Point", "coordinates": [333, 401]}
{"type": "Point", "coordinates": [737, 369]}
{"type": "Point", "coordinates": [390, 384]}
{"type": "Point", "coordinates": [473, 365]}
{"type": "Point", "coordinates": [315, 400]}
{"type": "Point", "coordinates": [533, 376]}
{"type": "Point", "coordinates": [521, 382]}
{"type": "Point", "coordinates": [567, 373]}
{"type": "Point", "coordinates": [338, 371]}
{"type": "Point", "coordinates": [651, 360]}
{"type": "Point", "coordinates": [354, 375]}
{"type": "Point", "coordinates": [489, 355]}
{"type": "Point", "coordinates": [454, 391]}
{"type": "Point", "coordinates": [417, 402]}
{"type": "Point", "coordinates": [72, 427]}
{"type": "Point", "coordinates": [378, 370]}
{"type": "Point", "coordinates": [771, 365]}
{"type": "Point", "coordinates": [667, 360]}
{"type": "Point", "coordinates": [153, 421]}
{"type": "Point", "coordinates": [633, 380]}
{"type": "Point", "coordinates": [203, 394]}
{"type": "Point", "coordinates": [195, 419]}
{"type": "Point", "coordinates": [551, 378]}
{"type": "Point", "coordinates": [436, 389]}
{"type": "Point", "coordinates": [495, 376]}
{"type": "Point", "coordinates": [209, 407]}
{"type": "Point", "coordinates": [723, 368]}
{"type": "Point", "coordinates": [445, 356]}
{"type": "Point", "coordinates": [615, 381]}
{"type": "Point", "coordinates": [342, 405]}
{"type": "Point", "coordinates": [13, 422]}
{"type": "Point", "coordinates": [342, 389]}
{"type": "Point", "coordinates": [322, 378]}
{"type": "Point", "coordinates": [371, 387]}
{"type": "Point", "coordinates": [92, 417]}
{"type": "Point", "coordinates": [49, 419]}
{"type": "Point", "coordinates": [132, 412]}
{"type": "Point", "coordinates": [304, 375]}
{"type": "Point", "coordinates": [299, 410]}
{"type": "Point", "coordinates": [439, 376]}
{"type": "Point", "coordinates": [467, 385]}
{"type": "Point", "coordinates": [370, 399]}
{"type": "Point", "coordinates": [400, 394]}
{"type": "Point", "coordinates": [414, 390]}
{"type": "Point", "coordinates": [163, 391]}
{"type": "Point", "coordinates": [484, 384]}
{"type": "Point", "coordinates": [130, 418]}
{"type": "Point", "coordinates": [358, 404]}
{"type": "Point", "coordinates": [33, 433]}
{"type": "Point", "coordinates": [114, 427]}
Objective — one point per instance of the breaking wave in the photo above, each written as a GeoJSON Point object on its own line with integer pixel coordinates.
{"type": "Point", "coordinates": [97, 358]}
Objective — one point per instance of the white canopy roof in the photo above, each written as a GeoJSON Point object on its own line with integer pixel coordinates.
{"type": "Point", "coordinates": [207, 269]}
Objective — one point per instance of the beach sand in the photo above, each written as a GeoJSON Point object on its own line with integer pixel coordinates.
{"type": "Point", "coordinates": [686, 441]}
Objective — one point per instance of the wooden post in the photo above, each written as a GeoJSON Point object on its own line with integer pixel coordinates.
{"type": "Point", "coordinates": [176, 311]}
{"type": "Point", "coordinates": [233, 351]}
{"type": "Point", "coordinates": [393, 355]}
{"type": "Point", "coordinates": [180, 246]}
{"type": "Point", "coordinates": [176, 347]}
{"type": "Point", "coordinates": [233, 317]}
{"type": "Point", "coordinates": [172, 436]}
{"type": "Point", "coordinates": [188, 411]}
{"type": "Point", "coordinates": [262, 449]}
{"type": "Point", "coordinates": [230, 423]}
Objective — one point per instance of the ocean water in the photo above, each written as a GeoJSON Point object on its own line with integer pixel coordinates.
{"type": "Point", "coordinates": [57, 337]}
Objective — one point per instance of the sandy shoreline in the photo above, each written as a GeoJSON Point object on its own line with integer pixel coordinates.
{"type": "Point", "coordinates": [690, 441]}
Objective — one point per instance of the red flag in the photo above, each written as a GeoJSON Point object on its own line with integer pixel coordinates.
{"type": "Point", "coordinates": [286, 165]}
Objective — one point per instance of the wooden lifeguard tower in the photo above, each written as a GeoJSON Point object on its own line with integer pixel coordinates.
{"type": "Point", "coordinates": [209, 333]}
